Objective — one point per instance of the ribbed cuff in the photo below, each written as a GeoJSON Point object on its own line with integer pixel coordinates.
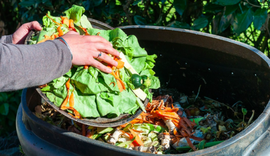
{"type": "Point", "coordinates": [6, 39]}
{"type": "Point", "coordinates": [64, 41]}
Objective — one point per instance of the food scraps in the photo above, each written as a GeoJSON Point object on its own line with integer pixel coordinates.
{"type": "Point", "coordinates": [169, 126]}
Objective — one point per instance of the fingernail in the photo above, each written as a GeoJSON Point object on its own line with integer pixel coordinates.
{"type": "Point", "coordinates": [111, 44]}
{"type": "Point", "coordinates": [116, 63]}
{"type": "Point", "coordinates": [109, 70]}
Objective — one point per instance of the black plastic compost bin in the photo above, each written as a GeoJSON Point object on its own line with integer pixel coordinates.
{"type": "Point", "coordinates": [224, 69]}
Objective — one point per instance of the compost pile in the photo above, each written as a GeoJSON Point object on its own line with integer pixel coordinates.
{"type": "Point", "coordinates": [173, 123]}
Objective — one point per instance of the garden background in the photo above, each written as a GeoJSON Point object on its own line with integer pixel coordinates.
{"type": "Point", "coordinates": [242, 20]}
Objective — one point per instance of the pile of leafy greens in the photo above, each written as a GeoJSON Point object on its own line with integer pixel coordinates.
{"type": "Point", "coordinates": [94, 92]}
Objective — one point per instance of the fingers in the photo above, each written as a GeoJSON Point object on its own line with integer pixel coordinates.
{"type": "Point", "coordinates": [86, 50]}
{"type": "Point", "coordinates": [105, 58]}
{"type": "Point", "coordinates": [72, 32]}
{"type": "Point", "coordinates": [32, 26]}
{"type": "Point", "coordinates": [97, 39]}
{"type": "Point", "coordinates": [100, 66]}
{"type": "Point", "coordinates": [106, 48]}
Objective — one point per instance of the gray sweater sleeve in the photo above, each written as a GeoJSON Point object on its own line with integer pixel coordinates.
{"type": "Point", "coordinates": [6, 39]}
{"type": "Point", "coordinates": [23, 66]}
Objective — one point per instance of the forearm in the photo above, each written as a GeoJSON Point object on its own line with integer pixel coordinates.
{"type": "Point", "coordinates": [24, 66]}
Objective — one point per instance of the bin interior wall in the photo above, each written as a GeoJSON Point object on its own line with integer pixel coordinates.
{"type": "Point", "coordinates": [226, 72]}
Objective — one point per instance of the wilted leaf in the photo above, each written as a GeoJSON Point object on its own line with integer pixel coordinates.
{"type": "Point", "coordinates": [242, 21]}
{"type": "Point", "coordinates": [180, 6]}
{"type": "Point", "coordinates": [227, 2]}
{"type": "Point", "coordinates": [260, 16]}
{"type": "Point", "coordinates": [199, 23]}
{"type": "Point", "coordinates": [139, 20]}
{"type": "Point", "coordinates": [4, 109]}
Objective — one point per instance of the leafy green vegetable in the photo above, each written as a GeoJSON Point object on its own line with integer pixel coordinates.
{"type": "Point", "coordinates": [96, 94]}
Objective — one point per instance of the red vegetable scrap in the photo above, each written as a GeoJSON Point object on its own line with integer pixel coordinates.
{"type": "Point", "coordinates": [137, 141]}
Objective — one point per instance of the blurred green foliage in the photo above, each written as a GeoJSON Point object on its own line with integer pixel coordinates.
{"type": "Point", "coordinates": [9, 103]}
{"type": "Point", "coordinates": [242, 20]}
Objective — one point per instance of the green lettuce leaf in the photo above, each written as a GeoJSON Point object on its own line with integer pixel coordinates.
{"type": "Point", "coordinates": [96, 94]}
{"type": "Point", "coordinates": [75, 13]}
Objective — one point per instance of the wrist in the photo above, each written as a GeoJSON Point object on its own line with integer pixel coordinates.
{"type": "Point", "coordinates": [64, 41]}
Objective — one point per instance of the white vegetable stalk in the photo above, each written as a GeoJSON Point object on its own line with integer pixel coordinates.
{"type": "Point", "coordinates": [150, 149]}
{"type": "Point", "coordinates": [165, 140]}
{"type": "Point", "coordinates": [114, 138]}
{"type": "Point", "coordinates": [170, 125]}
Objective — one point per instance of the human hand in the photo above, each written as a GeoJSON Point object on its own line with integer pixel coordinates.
{"type": "Point", "coordinates": [86, 50]}
{"type": "Point", "coordinates": [21, 33]}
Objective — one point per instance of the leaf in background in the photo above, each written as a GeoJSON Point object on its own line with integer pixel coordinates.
{"type": "Point", "coordinates": [242, 21]}
{"type": "Point", "coordinates": [227, 2]}
{"type": "Point", "coordinates": [260, 16]}
{"type": "Point", "coordinates": [216, 23]}
{"type": "Point", "coordinates": [47, 3]}
{"type": "Point", "coordinates": [136, 2]}
{"type": "Point", "coordinates": [177, 24]}
{"type": "Point", "coordinates": [220, 23]}
{"type": "Point", "coordinates": [230, 9]}
{"type": "Point", "coordinates": [97, 2]}
{"type": "Point", "coordinates": [180, 6]}
{"type": "Point", "coordinates": [4, 109]}
{"type": "Point", "coordinates": [139, 20]}
{"type": "Point", "coordinates": [212, 8]}
{"type": "Point", "coordinates": [163, 1]}
{"type": "Point", "coordinates": [3, 97]}
{"type": "Point", "coordinates": [199, 23]}
{"type": "Point", "coordinates": [225, 21]}
{"type": "Point", "coordinates": [28, 3]}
